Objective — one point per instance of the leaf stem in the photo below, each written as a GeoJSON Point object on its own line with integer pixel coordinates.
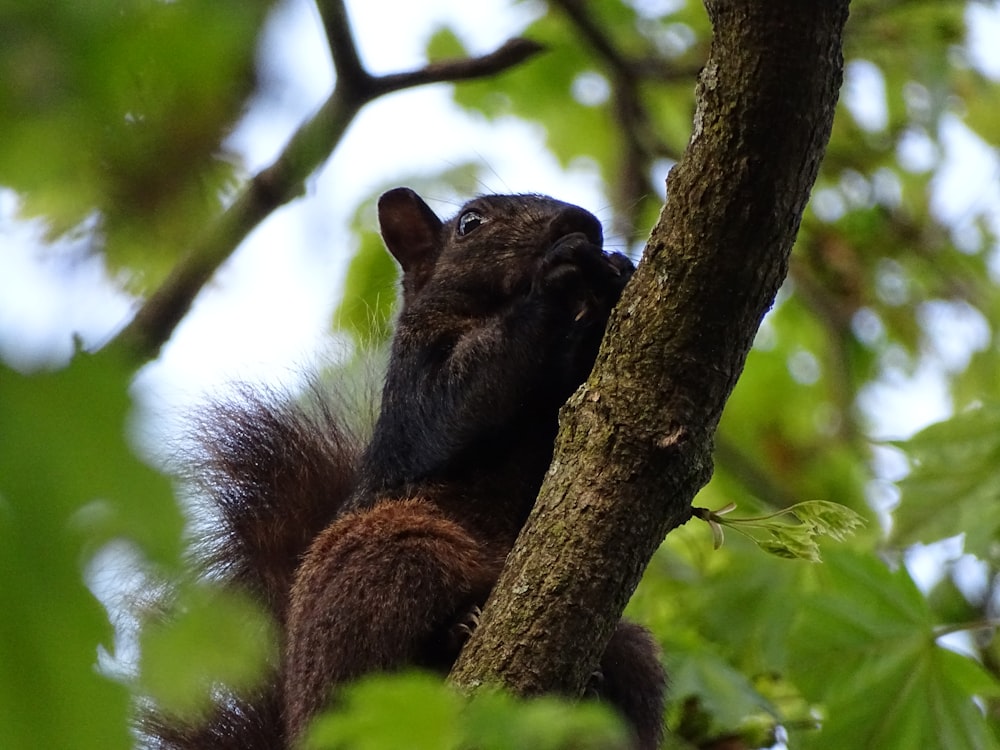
{"type": "Point", "coordinates": [959, 627]}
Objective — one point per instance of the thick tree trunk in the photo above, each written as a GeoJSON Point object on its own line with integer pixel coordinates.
{"type": "Point", "coordinates": [635, 443]}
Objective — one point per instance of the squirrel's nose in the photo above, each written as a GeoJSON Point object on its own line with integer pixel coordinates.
{"type": "Point", "coordinates": [572, 219]}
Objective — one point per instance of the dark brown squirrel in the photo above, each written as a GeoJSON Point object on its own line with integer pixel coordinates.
{"type": "Point", "coordinates": [373, 560]}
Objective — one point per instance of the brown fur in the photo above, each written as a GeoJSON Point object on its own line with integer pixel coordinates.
{"type": "Point", "coordinates": [375, 589]}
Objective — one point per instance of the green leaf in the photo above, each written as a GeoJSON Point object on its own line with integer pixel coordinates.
{"type": "Point", "coordinates": [64, 449]}
{"type": "Point", "coordinates": [416, 710]}
{"type": "Point", "coordinates": [775, 534]}
{"type": "Point", "coordinates": [725, 695]}
{"type": "Point", "coordinates": [949, 604]}
{"type": "Point", "coordinates": [413, 711]}
{"type": "Point", "coordinates": [114, 115]}
{"type": "Point", "coordinates": [213, 637]}
{"type": "Point", "coordinates": [444, 44]}
{"type": "Point", "coordinates": [868, 632]}
{"type": "Point", "coordinates": [496, 721]}
{"type": "Point", "coordinates": [790, 545]}
{"type": "Point", "coordinates": [827, 519]}
{"type": "Point", "coordinates": [954, 482]}
{"type": "Point", "coordinates": [745, 606]}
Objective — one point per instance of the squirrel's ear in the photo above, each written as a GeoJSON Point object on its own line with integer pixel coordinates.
{"type": "Point", "coordinates": [411, 231]}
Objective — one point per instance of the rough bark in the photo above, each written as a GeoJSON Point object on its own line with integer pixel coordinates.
{"type": "Point", "coordinates": [635, 443]}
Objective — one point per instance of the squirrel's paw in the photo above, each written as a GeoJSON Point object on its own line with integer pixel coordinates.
{"type": "Point", "coordinates": [620, 270]}
{"type": "Point", "coordinates": [568, 265]}
{"type": "Point", "coordinates": [575, 267]}
{"type": "Point", "coordinates": [460, 631]}
{"type": "Point", "coordinates": [595, 684]}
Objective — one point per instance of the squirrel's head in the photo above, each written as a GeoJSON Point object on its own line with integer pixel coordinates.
{"type": "Point", "coordinates": [493, 239]}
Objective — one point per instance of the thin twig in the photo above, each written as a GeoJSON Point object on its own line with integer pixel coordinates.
{"type": "Point", "coordinates": [343, 49]}
{"type": "Point", "coordinates": [640, 143]}
{"type": "Point", "coordinates": [512, 52]}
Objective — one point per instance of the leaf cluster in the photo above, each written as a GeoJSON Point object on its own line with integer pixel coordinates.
{"type": "Point", "coordinates": [418, 711]}
{"type": "Point", "coordinates": [129, 103]}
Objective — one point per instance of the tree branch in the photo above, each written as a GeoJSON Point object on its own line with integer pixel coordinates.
{"type": "Point", "coordinates": [635, 442]}
{"type": "Point", "coordinates": [650, 66]}
{"type": "Point", "coordinates": [284, 180]}
{"type": "Point", "coordinates": [343, 49]}
{"type": "Point", "coordinates": [512, 52]}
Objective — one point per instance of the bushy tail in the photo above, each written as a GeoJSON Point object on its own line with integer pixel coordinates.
{"type": "Point", "coordinates": [274, 473]}
{"type": "Point", "coordinates": [249, 722]}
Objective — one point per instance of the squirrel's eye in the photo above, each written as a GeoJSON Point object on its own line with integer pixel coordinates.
{"type": "Point", "coordinates": [469, 221]}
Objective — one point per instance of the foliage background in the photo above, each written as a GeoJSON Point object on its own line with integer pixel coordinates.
{"type": "Point", "coordinates": [119, 145]}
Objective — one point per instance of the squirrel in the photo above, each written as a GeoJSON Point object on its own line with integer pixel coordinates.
{"type": "Point", "coordinates": [378, 557]}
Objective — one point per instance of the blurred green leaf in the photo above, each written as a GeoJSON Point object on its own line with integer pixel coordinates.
{"type": "Point", "coordinates": [953, 484]}
{"type": "Point", "coordinates": [869, 632]}
{"type": "Point", "coordinates": [949, 605]}
{"type": "Point", "coordinates": [496, 721]}
{"type": "Point", "coordinates": [444, 44]}
{"type": "Point", "coordinates": [225, 638]}
{"type": "Point", "coordinates": [724, 694]}
{"type": "Point", "coordinates": [129, 102]}
{"type": "Point", "coordinates": [419, 711]}
{"type": "Point", "coordinates": [64, 449]}
{"type": "Point", "coordinates": [414, 711]}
